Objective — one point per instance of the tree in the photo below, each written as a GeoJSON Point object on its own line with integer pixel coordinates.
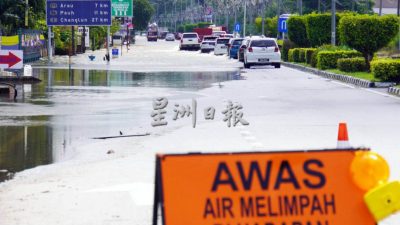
{"type": "Point", "coordinates": [367, 34]}
{"type": "Point", "coordinates": [142, 12]}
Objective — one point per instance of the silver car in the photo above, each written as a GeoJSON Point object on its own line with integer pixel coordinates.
{"type": "Point", "coordinates": [170, 37]}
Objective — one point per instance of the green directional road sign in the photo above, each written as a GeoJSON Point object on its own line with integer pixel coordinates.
{"type": "Point", "coordinates": [122, 8]}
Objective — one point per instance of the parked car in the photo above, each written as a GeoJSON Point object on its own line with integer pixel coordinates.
{"type": "Point", "coordinates": [170, 37]}
{"type": "Point", "coordinates": [190, 41]}
{"type": "Point", "coordinates": [263, 51]}
{"type": "Point", "coordinates": [178, 36]}
{"type": "Point", "coordinates": [242, 47]}
{"type": "Point", "coordinates": [208, 44]}
{"type": "Point", "coordinates": [221, 46]}
{"type": "Point", "coordinates": [234, 47]}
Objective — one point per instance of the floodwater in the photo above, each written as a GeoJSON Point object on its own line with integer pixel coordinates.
{"type": "Point", "coordinates": [70, 107]}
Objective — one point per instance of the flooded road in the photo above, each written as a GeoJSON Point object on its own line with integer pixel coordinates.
{"type": "Point", "coordinates": [70, 107]}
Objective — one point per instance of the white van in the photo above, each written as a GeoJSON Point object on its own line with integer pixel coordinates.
{"type": "Point", "coordinates": [221, 46]}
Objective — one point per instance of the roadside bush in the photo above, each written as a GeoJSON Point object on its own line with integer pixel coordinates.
{"type": "Point", "coordinates": [318, 28]}
{"type": "Point", "coordinates": [302, 55]}
{"type": "Point", "coordinates": [308, 54]}
{"type": "Point", "coordinates": [290, 55]}
{"type": "Point", "coordinates": [296, 55]}
{"type": "Point", "coordinates": [367, 34]}
{"type": "Point", "coordinates": [351, 64]}
{"type": "Point", "coordinates": [297, 30]}
{"type": "Point", "coordinates": [386, 69]}
{"type": "Point", "coordinates": [203, 24]}
{"type": "Point", "coordinates": [287, 45]}
{"type": "Point", "coordinates": [328, 59]}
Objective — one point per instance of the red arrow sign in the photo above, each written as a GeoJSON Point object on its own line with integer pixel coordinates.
{"type": "Point", "coordinates": [9, 59]}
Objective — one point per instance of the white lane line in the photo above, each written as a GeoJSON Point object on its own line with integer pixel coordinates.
{"type": "Point", "coordinates": [141, 193]}
{"type": "Point", "coordinates": [367, 89]}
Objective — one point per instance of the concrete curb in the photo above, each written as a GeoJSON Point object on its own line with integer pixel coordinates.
{"type": "Point", "coordinates": [394, 91]}
{"type": "Point", "coordinates": [333, 76]}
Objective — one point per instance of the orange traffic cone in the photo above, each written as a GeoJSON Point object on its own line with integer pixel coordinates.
{"type": "Point", "coordinates": [343, 137]}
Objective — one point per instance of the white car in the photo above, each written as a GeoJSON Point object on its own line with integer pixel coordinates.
{"type": "Point", "coordinates": [170, 37]}
{"type": "Point", "coordinates": [218, 33]}
{"type": "Point", "coordinates": [262, 51]}
{"type": "Point", "coordinates": [221, 47]}
{"type": "Point", "coordinates": [208, 44]}
{"type": "Point", "coordinates": [190, 41]}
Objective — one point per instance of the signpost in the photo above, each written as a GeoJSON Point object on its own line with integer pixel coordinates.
{"type": "Point", "coordinates": [122, 8]}
{"type": "Point", "coordinates": [78, 13]}
{"type": "Point", "coordinates": [237, 27]}
{"type": "Point", "coordinates": [268, 188]}
{"type": "Point", "coordinates": [282, 24]}
{"type": "Point", "coordinates": [11, 59]}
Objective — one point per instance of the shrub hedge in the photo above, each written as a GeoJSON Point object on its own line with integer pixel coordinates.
{"type": "Point", "coordinates": [287, 45]}
{"type": "Point", "coordinates": [297, 30]}
{"type": "Point", "coordinates": [352, 64]}
{"type": "Point", "coordinates": [290, 55]}
{"type": "Point", "coordinates": [368, 33]}
{"type": "Point", "coordinates": [302, 55]}
{"type": "Point", "coordinates": [308, 54]}
{"type": "Point", "coordinates": [318, 28]}
{"type": "Point", "coordinates": [386, 69]}
{"type": "Point", "coordinates": [328, 59]}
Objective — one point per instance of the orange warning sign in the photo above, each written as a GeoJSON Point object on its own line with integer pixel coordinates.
{"type": "Point", "coordinates": [260, 188]}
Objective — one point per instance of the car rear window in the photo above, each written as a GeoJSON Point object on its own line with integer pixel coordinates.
{"type": "Point", "coordinates": [263, 43]}
{"type": "Point", "coordinates": [190, 35]}
{"type": "Point", "coordinates": [237, 42]}
{"type": "Point", "coordinates": [223, 41]}
{"type": "Point", "coordinates": [209, 38]}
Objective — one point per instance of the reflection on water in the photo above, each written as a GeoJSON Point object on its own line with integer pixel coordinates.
{"type": "Point", "coordinates": [70, 107]}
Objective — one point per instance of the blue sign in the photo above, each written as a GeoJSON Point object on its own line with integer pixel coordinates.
{"type": "Point", "coordinates": [282, 24]}
{"type": "Point", "coordinates": [114, 51]}
{"type": "Point", "coordinates": [78, 12]}
{"type": "Point", "coordinates": [237, 27]}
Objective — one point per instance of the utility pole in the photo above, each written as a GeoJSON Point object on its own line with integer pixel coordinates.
{"type": "Point", "coordinates": [244, 20]}
{"type": "Point", "coordinates": [26, 13]}
{"type": "Point", "coordinates": [333, 23]}
{"type": "Point", "coordinates": [263, 18]}
{"type": "Point", "coordinates": [380, 8]}
{"type": "Point", "coordinates": [319, 6]}
{"type": "Point", "coordinates": [398, 7]}
{"type": "Point", "coordinates": [49, 50]}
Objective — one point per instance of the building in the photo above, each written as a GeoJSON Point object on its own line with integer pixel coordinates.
{"type": "Point", "coordinates": [388, 6]}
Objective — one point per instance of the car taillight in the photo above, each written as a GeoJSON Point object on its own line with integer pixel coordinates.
{"type": "Point", "coordinates": [229, 45]}
{"type": "Point", "coordinates": [276, 49]}
{"type": "Point", "coordinates": [250, 49]}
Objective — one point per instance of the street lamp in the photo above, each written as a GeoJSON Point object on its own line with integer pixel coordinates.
{"type": "Point", "coordinates": [333, 23]}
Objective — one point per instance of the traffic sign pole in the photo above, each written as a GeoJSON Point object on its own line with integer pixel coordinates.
{"type": "Point", "coordinates": [49, 50]}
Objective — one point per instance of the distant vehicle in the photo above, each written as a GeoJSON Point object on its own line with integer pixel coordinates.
{"type": "Point", "coordinates": [221, 47]}
{"type": "Point", "coordinates": [234, 47]}
{"type": "Point", "coordinates": [178, 36]}
{"type": "Point", "coordinates": [218, 33]}
{"type": "Point", "coordinates": [227, 35]}
{"type": "Point", "coordinates": [263, 51]}
{"type": "Point", "coordinates": [190, 41]}
{"type": "Point", "coordinates": [208, 44]}
{"type": "Point", "coordinates": [170, 37]}
{"type": "Point", "coordinates": [152, 32]}
{"type": "Point", "coordinates": [202, 32]}
{"type": "Point", "coordinates": [162, 35]}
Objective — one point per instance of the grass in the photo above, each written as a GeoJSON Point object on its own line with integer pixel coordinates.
{"type": "Point", "coordinates": [362, 75]}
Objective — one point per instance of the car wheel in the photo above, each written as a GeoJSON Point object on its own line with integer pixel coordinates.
{"type": "Point", "coordinates": [278, 65]}
{"type": "Point", "coordinates": [246, 65]}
